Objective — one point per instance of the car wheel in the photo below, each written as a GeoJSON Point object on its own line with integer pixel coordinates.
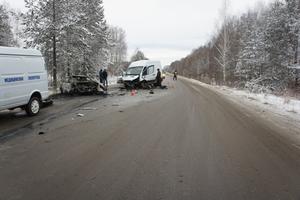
{"type": "Point", "coordinates": [33, 107]}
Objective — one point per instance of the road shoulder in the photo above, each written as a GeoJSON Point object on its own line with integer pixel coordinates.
{"type": "Point", "coordinates": [286, 125]}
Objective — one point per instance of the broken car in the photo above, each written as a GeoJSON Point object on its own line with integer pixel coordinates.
{"type": "Point", "coordinates": [81, 84]}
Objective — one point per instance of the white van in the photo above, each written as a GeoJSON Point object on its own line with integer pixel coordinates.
{"type": "Point", "coordinates": [23, 79]}
{"type": "Point", "coordinates": [141, 73]}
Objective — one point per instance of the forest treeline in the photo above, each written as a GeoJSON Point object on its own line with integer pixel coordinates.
{"type": "Point", "coordinates": [258, 50]}
{"type": "Point", "coordinates": [72, 35]}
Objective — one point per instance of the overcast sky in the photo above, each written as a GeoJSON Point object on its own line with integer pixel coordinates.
{"type": "Point", "coordinates": [166, 30]}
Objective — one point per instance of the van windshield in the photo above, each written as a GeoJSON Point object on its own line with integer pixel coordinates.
{"type": "Point", "coordinates": [134, 70]}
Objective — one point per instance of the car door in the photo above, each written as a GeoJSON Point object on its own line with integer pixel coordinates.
{"type": "Point", "coordinates": [149, 73]}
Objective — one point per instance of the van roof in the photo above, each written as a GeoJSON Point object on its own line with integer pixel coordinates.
{"type": "Point", "coordinates": [19, 51]}
{"type": "Point", "coordinates": [143, 62]}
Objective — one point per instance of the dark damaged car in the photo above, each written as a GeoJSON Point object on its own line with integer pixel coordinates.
{"type": "Point", "coordinates": [81, 84]}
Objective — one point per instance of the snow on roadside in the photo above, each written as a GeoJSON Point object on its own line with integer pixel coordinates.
{"type": "Point", "coordinates": [287, 105]}
{"type": "Point", "coordinates": [112, 80]}
{"type": "Point", "coordinates": [53, 92]}
{"type": "Point", "coordinates": [280, 111]}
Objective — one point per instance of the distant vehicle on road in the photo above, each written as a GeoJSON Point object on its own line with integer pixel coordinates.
{"type": "Point", "coordinates": [23, 80]}
{"type": "Point", "coordinates": [141, 74]}
{"type": "Point", "coordinates": [81, 84]}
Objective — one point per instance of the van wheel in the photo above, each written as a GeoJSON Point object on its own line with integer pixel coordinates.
{"type": "Point", "coordinates": [33, 107]}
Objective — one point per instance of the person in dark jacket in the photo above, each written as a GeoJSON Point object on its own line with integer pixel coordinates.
{"type": "Point", "coordinates": [101, 76]}
{"type": "Point", "coordinates": [175, 76]}
{"type": "Point", "coordinates": [158, 78]}
{"type": "Point", "coordinates": [105, 75]}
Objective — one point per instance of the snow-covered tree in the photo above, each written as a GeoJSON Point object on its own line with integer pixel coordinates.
{"type": "Point", "coordinates": [138, 55]}
{"type": "Point", "coordinates": [293, 23]}
{"type": "Point", "coordinates": [276, 42]}
{"type": "Point", "coordinates": [44, 21]}
{"type": "Point", "coordinates": [251, 55]}
{"type": "Point", "coordinates": [16, 22]}
{"type": "Point", "coordinates": [117, 49]}
{"type": "Point", "coordinates": [6, 34]}
{"type": "Point", "coordinates": [293, 18]}
{"type": "Point", "coordinates": [257, 51]}
{"type": "Point", "coordinates": [72, 35]}
{"type": "Point", "coordinates": [92, 22]}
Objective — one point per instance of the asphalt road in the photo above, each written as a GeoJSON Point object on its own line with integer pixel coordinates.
{"type": "Point", "coordinates": [189, 143]}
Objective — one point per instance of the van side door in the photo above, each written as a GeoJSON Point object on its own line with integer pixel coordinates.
{"type": "Point", "coordinates": [2, 103]}
{"type": "Point", "coordinates": [11, 79]}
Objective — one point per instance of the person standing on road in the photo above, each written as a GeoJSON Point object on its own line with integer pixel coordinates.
{"type": "Point", "coordinates": [175, 76]}
{"type": "Point", "coordinates": [158, 78]}
{"type": "Point", "coordinates": [101, 76]}
{"type": "Point", "coordinates": [105, 75]}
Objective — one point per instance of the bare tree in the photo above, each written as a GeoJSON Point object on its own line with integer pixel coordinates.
{"type": "Point", "coordinates": [223, 46]}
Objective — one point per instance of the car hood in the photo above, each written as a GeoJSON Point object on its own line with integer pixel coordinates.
{"type": "Point", "coordinates": [130, 77]}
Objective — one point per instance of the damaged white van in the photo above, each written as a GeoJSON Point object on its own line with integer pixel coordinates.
{"type": "Point", "coordinates": [141, 74]}
{"type": "Point", "coordinates": [23, 80]}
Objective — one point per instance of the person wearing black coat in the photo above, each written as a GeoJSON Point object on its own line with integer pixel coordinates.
{"type": "Point", "coordinates": [105, 75]}
{"type": "Point", "coordinates": [175, 76]}
{"type": "Point", "coordinates": [158, 78]}
{"type": "Point", "coordinates": [101, 76]}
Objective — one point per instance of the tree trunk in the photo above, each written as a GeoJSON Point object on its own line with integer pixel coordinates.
{"type": "Point", "coordinates": [225, 42]}
{"type": "Point", "coordinates": [54, 49]}
{"type": "Point", "coordinates": [54, 64]}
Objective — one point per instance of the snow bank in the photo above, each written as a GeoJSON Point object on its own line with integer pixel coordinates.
{"type": "Point", "coordinates": [53, 92]}
{"type": "Point", "coordinates": [112, 80]}
{"type": "Point", "coordinates": [283, 104]}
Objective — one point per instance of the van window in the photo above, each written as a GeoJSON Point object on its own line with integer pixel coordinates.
{"type": "Point", "coordinates": [145, 71]}
{"type": "Point", "coordinates": [150, 70]}
{"type": "Point", "coordinates": [134, 71]}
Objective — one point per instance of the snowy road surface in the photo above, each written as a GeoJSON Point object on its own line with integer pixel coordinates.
{"type": "Point", "coordinates": [187, 142]}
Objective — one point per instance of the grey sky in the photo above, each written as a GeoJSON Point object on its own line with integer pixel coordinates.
{"type": "Point", "coordinates": [166, 30]}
